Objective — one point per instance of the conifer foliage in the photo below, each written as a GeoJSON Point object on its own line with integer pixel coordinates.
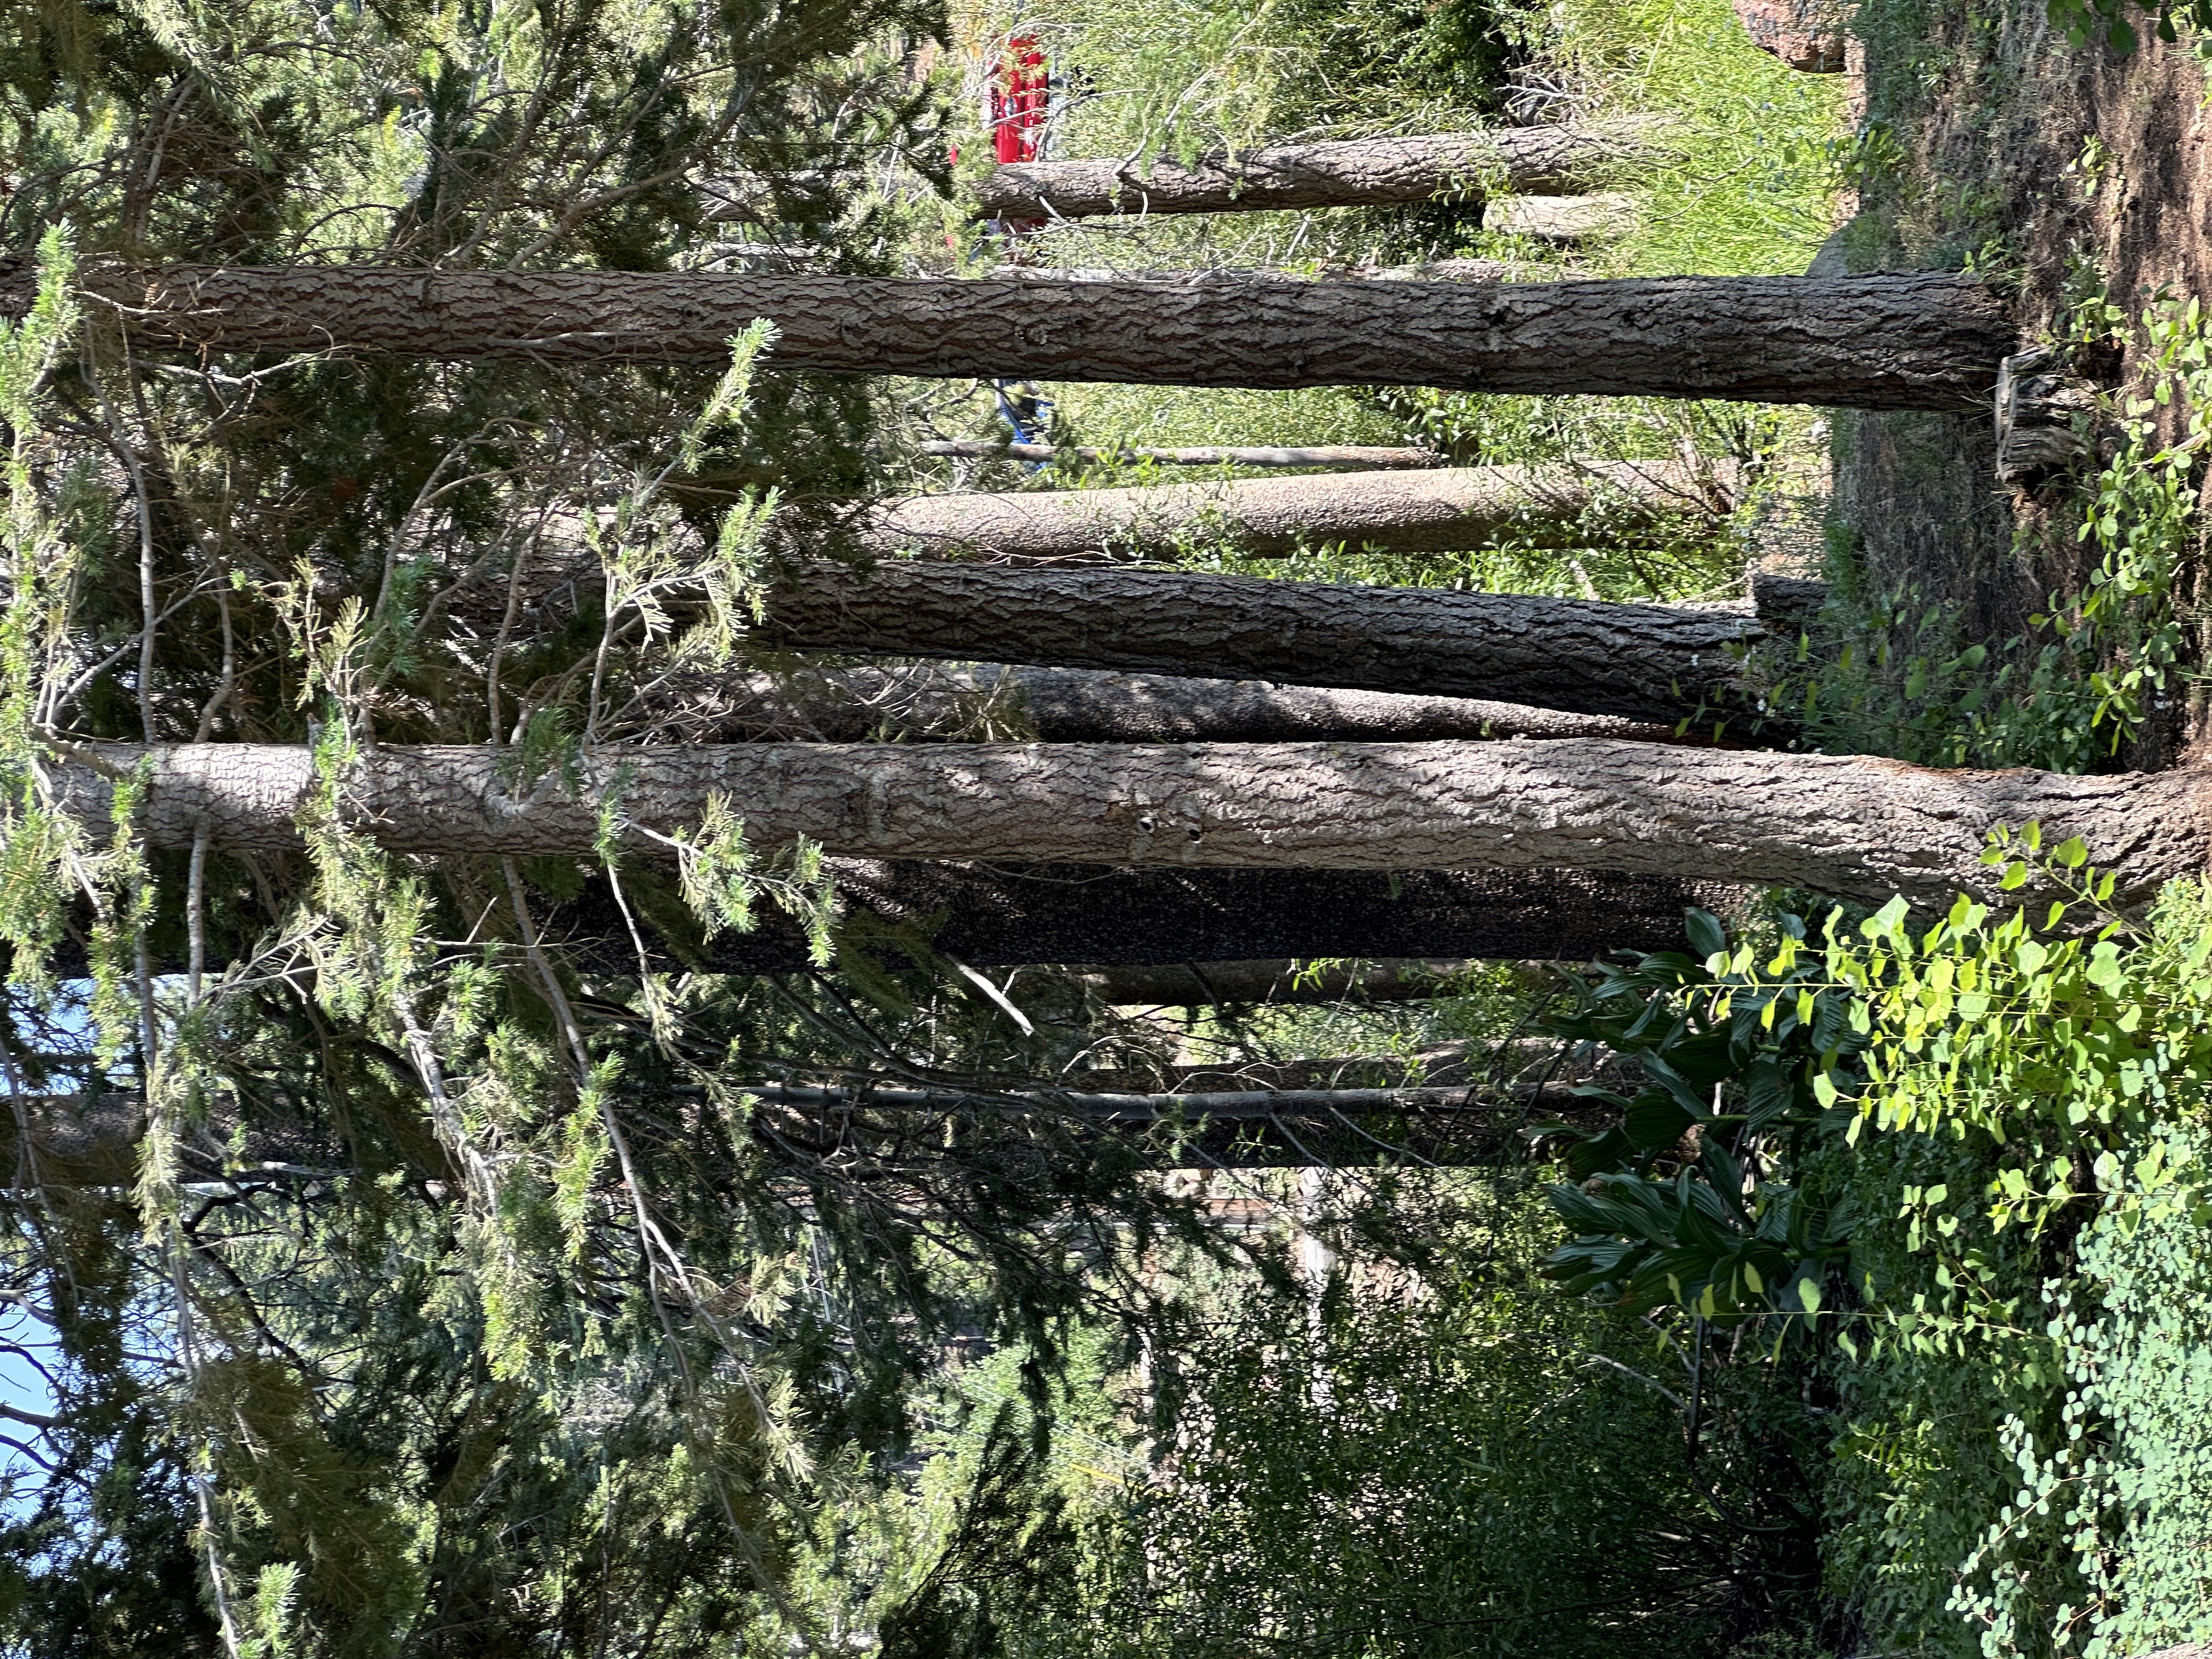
{"type": "Point", "coordinates": [493, 1275]}
{"type": "Point", "coordinates": [536, 1332]}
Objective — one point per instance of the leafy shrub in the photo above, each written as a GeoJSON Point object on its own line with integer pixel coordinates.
{"type": "Point", "coordinates": [1993, 1087]}
{"type": "Point", "coordinates": [1893, 674]}
{"type": "Point", "coordinates": [1472, 1466]}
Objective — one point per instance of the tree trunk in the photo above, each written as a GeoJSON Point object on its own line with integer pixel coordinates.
{"type": "Point", "coordinates": [1430, 270]}
{"type": "Point", "coordinates": [1563, 220]}
{"type": "Point", "coordinates": [1883, 342]}
{"type": "Point", "coordinates": [1248, 923]}
{"type": "Point", "coordinates": [1339, 458]}
{"type": "Point", "coordinates": [1208, 984]}
{"type": "Point", "coordinates": [1638, 662]}
{"type": "Point", "coordinates": [1146, 1109]}
{"type": "Point", "coordinates": [1503, 1070]}
{"type": "Point", "coordinates": [928, 702]}
{"type": "Point", "coordinates": [1857, 828]}
{"type": "Point", "coordinates": [77, 1143]}
{"type": "Point", "coordinates": [1449, 509]}
{"type": "Point", "coordinates": [1482, 1136]}
{"type": "Point", "coordinates": [1344, 172]}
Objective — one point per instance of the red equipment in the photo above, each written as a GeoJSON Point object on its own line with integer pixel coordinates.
{"type": "Point", "coordinates": [1020, 99]}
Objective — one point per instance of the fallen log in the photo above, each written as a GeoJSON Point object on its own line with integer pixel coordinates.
{"type": "Point", "coordinates": [947, 703]}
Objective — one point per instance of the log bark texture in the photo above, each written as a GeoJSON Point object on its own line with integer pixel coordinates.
{"type": "Point", "coordinates": [1446, 509]}
{"type": "Point", "coordinates": [1160, 925]}
{"type": "Point", "coordinates": [1914, 341]}
{"type": "Point", "coordinates": [1160, 1108]}
{"type": "Point", "coordinates": [1337, 458]}
{"type": "Point", "coordinates": [1854, 827]}
{"type": "Point", "coordinates": [929, 703]}
{"type": "Point", "coordinates": [1342, 172]}
{"type": "Point", "coordinates": [79, 1144]}
{"type": "Point", "coordinates": [1432, 270]}
{"type": "Point", "coordinates": [1206, 984]}
{"type": "Point", "coordinates": [1637, 662]}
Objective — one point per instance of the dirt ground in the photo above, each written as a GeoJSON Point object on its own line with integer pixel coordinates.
{"type": "Point", "coordinates": [1988, 141]}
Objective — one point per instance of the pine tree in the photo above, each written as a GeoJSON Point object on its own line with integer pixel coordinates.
{"type": "Point", "coordinates": [1443, 509]}
{"type": "Point", "coordinates": [523, 1270]}
{"type": "Point", "coordinates": [1341, 172]}
{"type": "Point", "coordinates": [1916, 341]}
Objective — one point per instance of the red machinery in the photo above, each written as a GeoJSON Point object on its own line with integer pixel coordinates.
{"type": "Point", "coordinates": [1018, 102]}
{"type": "Point", "coordinates": [1020, 99]}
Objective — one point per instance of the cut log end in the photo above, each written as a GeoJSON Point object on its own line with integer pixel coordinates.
{"type": "Point", "coordinates": [1808, 35]}
{"type": "Point", "coordinates": [2042, 413]}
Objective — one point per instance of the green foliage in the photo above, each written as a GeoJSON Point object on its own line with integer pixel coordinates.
{"type": "Point", "coordinates": [1457, 1463]}
{"type": "Point", "coordinates": [1009, 1562]}
{"type": "Point", "coordinates": [1891, 673]}
{"type": "Point", "coordinates": [2106, 20]}
{"type": "Point", "coordinates": [2133, 1450]}
{"type": "Point", "coordinates": [36, 842]}
{"type": "Point", "coordinates": [1990, 1087]}
{"type": "Point", "coordinates": [1745, 187]}
{"type": "Point", "coordinates": [1179, 77]}
{"type": "Point", "coordinates": [1740, 1063]}
{"type": "Point", "coordinates": [523, 132]}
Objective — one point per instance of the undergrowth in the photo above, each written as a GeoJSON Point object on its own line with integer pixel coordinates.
{"type": "Point", "coordinates": [1745, 187]}
{"type": "Point", "coordinates": [1957, 1168]}
{"type": "Point", "coordinates": [1891, 673]}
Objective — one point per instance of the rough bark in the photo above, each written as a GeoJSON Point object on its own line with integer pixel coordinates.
{"type": "Point", "coordinates": [928, 702]}
{"type": "Point", "coordinates": [1638, 662]}
{"type": "Point", "coordinates": [1208, 935]}
{"type": "Point", "coordinates": [1447, 509]}
{"type": "Point", "coordinates": [81, 1145]}
{"type": "Point", "coordinates": [1432, 270]}
{"type": "Point", "coordinates": [1914, 341]}
{"type": "Point", "coordinates": [1505, 1069]}
{"type": "Point", "coordinates": [1483, 1136]}
{"type": "Point", "coordinates": [1852, 826]}
{"type": "Point", "coordinates": [1207, 984]}
{"type": "Point", "coordinates": [1161, 1108]}
{"type": "Point", "coordinates": [2040, 410]}
{"type": "Point", "coordinates": [1344, 172]}
{"type": "Point", "coordinates": [1810, 35]}
{"type": "Point", "coordinates": [1339, 458]}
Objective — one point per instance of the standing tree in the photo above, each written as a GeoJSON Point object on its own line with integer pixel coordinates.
{"type": "Point", "coordinates": [1344, 172]}
{"type": "Point", "coordinates": [1637, 662]}
{"type": "Point", "coordinates": [1882, 342]}
{"type": "Point", "coordinates": [1857, 828]}
{"type": "Point", "coordinates": [1438, 511]}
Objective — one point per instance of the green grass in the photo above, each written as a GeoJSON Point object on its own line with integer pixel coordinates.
{"type": "Point", "coordinates": [1746, 188]}
{"type": "Point", "coordinates": [1750, 187]}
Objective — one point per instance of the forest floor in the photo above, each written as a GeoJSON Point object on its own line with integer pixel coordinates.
{"type": "Point", "coordinates": [1988, 143]}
